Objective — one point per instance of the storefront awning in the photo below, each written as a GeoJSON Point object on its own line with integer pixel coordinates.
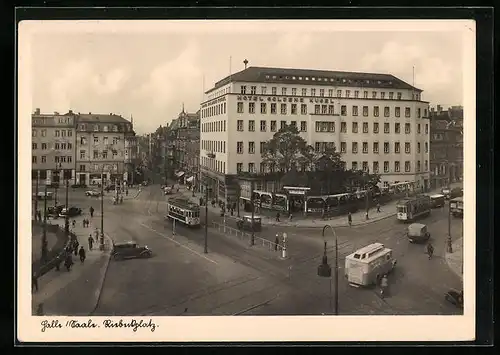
{"type": "Point", "coordinates": [190, 179]}
{"type": "Point", "coordinates": [179, 173]}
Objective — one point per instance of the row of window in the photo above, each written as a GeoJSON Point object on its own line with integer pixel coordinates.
{"type": "Point", "coordinates": [57, 159]}
{"type": "Point", "coordinates": [213, 164]}
{"type": "Point", "coordinates": [215, 110]}
{"type": "Point", "coordinates": [101, 155]}
{"type": "Point", "coordinates": [322, 146]}
{"type": "Point", "coordinates": [57, 133]}
{"type": "Point", "coordinates": [217, 126]}
{"type": "Point", "coordinates": [105, 140]}
{"type": "Point", "coordinates": [57, 146]}
{"type": "Point", "coordinates": [98, 168]}
{"type": "Point", "coordinates": [214, 146]}
{"type": "Point", "coordinates": [265, 168]}
{"type": "Point", "coordinates": [105, 128]}
{"type": "Point", "coordinates": [326, 110]}
{"type": "Point", "coordinates": [321, 92]}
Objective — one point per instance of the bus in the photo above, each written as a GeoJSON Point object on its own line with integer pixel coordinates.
{"type": "Point", "coordinates": [457, 206]}
{"type": "Point", "coordinates": [437, 200]}
{"type": "Point", "coordinates": [411, 208]}
{"type": "Point", "coordinates": [368, 265]}
{"type": "Point", "coordinates": [183, 211]}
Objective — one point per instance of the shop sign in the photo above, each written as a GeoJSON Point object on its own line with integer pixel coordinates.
{"type": "Point", "coordinates": [322, 101]}
{"type": "Point", "coordinates": [269, 98]}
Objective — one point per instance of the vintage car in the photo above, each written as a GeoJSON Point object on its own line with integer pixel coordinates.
{"type": "Point", "coordinates": [93, 193]}
{"type": "Point", "coordinates": [417, 233]}
{"type": "Point", "coordinates": [54, 211]}
{"type": "Point", "coordinates": [71, 212]}
{"type": "Point", "coordinates": [168, 190]}
{"type": "Point", "coordinates": [41, 195]}
{"type": "Point", "coordinates": [130, 250]}
{"type": "Point", "coordinates": [245, 223]}
{"type": "Point", "coordinates": [109, 187]}
{"type": "Point", "coordinates": [455, 297]}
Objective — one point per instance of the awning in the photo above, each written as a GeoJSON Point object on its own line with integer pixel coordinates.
{"type": "Point", "coordinates": [179, 174]}
{"type": "Point", "coordinates": [190, 179]}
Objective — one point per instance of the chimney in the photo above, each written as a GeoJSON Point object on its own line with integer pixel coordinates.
{"type": "Point", "coordinates": [56, 113]}
{"type": "Point", "coordinates": [71, 111]}
{"type": "Point", "coordinates": [37, 111]}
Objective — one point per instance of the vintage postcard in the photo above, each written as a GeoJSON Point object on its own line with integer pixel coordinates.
{"type": "Point", "coordinates": [246, 181]}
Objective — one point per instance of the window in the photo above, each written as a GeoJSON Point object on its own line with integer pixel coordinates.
{"type": "Point", "coordinates": [115, 140]}
{"type": "Point", "coordinates": [262, 147]}
{"type": "Point", "coordinates": [418, 147]}
{"type": "Point", "coordinates": [355, 110]}
{"type": "Point", "coordinates": [356, 94]}
{"type": "Point", "coordinates": [63, 146]}
{"type": "Point", "coordinates": [418, 112]}
{"type": "Point", "coordinates": [239, 147]}
{"type": "Point", "coordinates": [253, 90]}
{"type": "Point", "coordinates": [273, 109]}
{"type": "Point", "coordinates": [343, 127]}
{"type": "Point", "coordinates": [386, 111]}
{"type": "Point", "coordinates": [365, 111]}
{"type": "Point", "coordinates": [96, 128]}
{"type": "Point", "coordinates": [56, 146]}
{"type": "Point", "coordinates": [375, 127]}
{"type": "Point", "coordinates": [425, 112]}
{"type": "Point", "coordinates": [343, 110]}
{"type": "Point", "coordinates": [426, 165]}
{"type": "Point", "coordinates": [407, 148]}
{"type": "Point", "coordinates": [239, 167]}
{"type": "Point", "coordinates": [240, 107]}
{"type": "Point", "coordinates": [382, 95]}
{"type": "Point", "coordinates": [407, 128]}
{"type": "Point", "coordinates": [365, 166]}
{"type": "Point", "coordinates": [82, 154]}
{"type": "Point", "coordinates": [331, 109]}
{"type": "Point", "coordinates": [375, 111]}
{"type": "Point", "coordinates": [293, 109]}
{"type": "Point", "coordinates": [293, 124]}
{"type": "Point", "coordinates": [243, 89]}
{"type": "Point", "coordinates": [251, 147]}
{"type": "Point", "coordinates": [96, 154]}
{"type": "Point", "coordinates": [365, 94]}
{"type": "Point", "coordinates": [63, 133]}
{"type": "Point", "coordinates": [397, 111]}
{"type": "Point", "coordinates": [57, 133]}
{"type": "Point", "coordinates": [282, 124]}
{"type": "Point", "coordinates": [273, 126]}
{"type": "Point", "coordinates": [304, 92]}
{"type": "Point", "coordinates": [322, 92]}
{"type": "Point", "coordinates": [105, 128]}
{"type": "Point", "coordinates": [251, 107]}
{"type": "Point", "coordinates": [303, 126]}
{"type": "Point", "coordinates": [44, 133]}
{"type": "Point", "coordinates": [354, 147]}
{"type": "Point", "coordinates": [365, 147]}
{"type": "Point", "coordinates": [355, 127]}
{"type": "Point", "coordinates": [399, 96]}
{"type": "Point", "coordinates": [303, 109]}
{"type": "Point", "coordinates": [330, 92]}
{"type": "Point", "coordinates": [375, 147]}
{"type": "Point", "coordinates": [115, 153]}
{"type": "Point", "coordinates": [283, 91]}
{"type": "Point", "coordinates": [313, 92]}
{"type": "Point", "coordinates": [418, 128]}
{"type": "Point", "coordinates": [96, 167]}
{"type": "Point", "coordinates": [347, 93]}
{"type": "Point", "coordinates": [96, 139]}
{"type": "Point", "coordinates": [324, 109]}
{"type": "Point", "coordinates": [375, 166]}
{"type": "Point", "coordinates": [83, 140]}
{"type": "Point", "coordinates": [339, 93]}
{"type": "Point", "coordinates": [251, 125]}
{"type": "Point", "coordinates": [354, 165]}
{"type": "Point", "coordinates": [386, 166]}
{"type": "Point", "coordinates": [33, 146]}
{"type": "Point", "coordinates": [407, 166]}
{"type": "Point", "coordinates": [397, 166]}
{"type": "Point", "coordinates": [365, 127]}
{"type": "Point", "coordinates": [426, 147]}
{"type": "Point", "coordinates": [317, 146]}
{"type": "Point", "coordinates": [343, 147]}
{"type": "Point", "coordinates": [294, 91]}
{"type": "Point", "coordinates": [44, 146]}
{"type": "Point", "coordinates": [263, 126]}
{"type": "Point", "coordinates": [251, 167]}
{"type": "Point", "coordinates": [239, 125]}
{"type": "Point", "coordinates": [391, 95]}
{"type": "Point", "coordinates": [426, 128]}
{"type": "Point", "coordinates": [397, 147]}
{"type": "Point", "coordinates": [397, 128]}
{"type": "Point", "coordinates": [33, 159]}
{"type": "Point", "coordinates": [105, 154]}
{"type": "Point", "coordinates": [325, 126]}
{"type": "Point", "coordinates": [263, 90]}
{"type": "Point", "coordinates": [44, 159]}
{"type": "Point", "coordinates": [374, 94]}
{"type": "Point", "coordinates": [418, 166]}
{"type": "Point", "coordinates": [317, 109]}
{"type": "Point", "coordinates": [386, 147]}
{"type": "Point", "coordinates": [407, 112]}
{"type": "Point", "coordinates": [386, 127]}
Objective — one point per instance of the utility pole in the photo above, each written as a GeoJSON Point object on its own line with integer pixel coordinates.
{"type": "Point", "coordinates": [205, 250]}
{"type": "Point", "coordinates": [252, 242]}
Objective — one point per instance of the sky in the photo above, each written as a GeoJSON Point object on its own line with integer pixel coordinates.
{"type": "Point", "coordinates": [150, 70]}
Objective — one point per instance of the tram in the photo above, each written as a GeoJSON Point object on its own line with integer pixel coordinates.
{"type": "Point", "coordinates": [183, 211]}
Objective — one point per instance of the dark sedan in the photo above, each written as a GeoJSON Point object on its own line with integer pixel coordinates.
{"type": "Point", "coordinates": [70, 212]}
{"type": "Point", "coordinates": [130, 250]}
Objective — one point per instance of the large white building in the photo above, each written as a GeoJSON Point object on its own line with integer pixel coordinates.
{"type": "Point", "coordinates": [377, 121]}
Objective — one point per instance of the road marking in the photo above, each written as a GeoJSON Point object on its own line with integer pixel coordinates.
{"type": "Point", "coordinates": [179, 244]}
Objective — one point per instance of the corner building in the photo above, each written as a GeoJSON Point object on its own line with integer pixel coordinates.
{"type": "Point", "coordinates": [377, 121]}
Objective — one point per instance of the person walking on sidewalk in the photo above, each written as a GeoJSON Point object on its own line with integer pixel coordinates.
{"type": "Point", "coordinates": [349, 219]}
{"type": "Point", "coordinates": [91, 242]}
{"type": "Point", "coordinates": [82, 255]}
{"type": "Point", "coordinates": [96, 233]}
{"type": "Point", "coordinates": [277, 216]}
{"type": "Point", "coordinates": [68, 262]}
{"type": "Point", "coordinates": [430, 250]}
{"type": "Point", "coordinates": [91, 210]}
{"type": "Point", "coordinates": [75, 246]}
{"type": "Point", "coordinates": [58, 263]}
{"type": "Point", "coordinates": [378, 207]}
{"type": "Point", "coordinates": [73, 223]}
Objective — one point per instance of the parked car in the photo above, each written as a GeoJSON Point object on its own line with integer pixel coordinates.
{"type": "Point", "coordinates": [93, 193]}
{"type": "Point", "coordinates": [77, 186]}
{"type": "Point", "coordinates": [417, 233]}
{"type": "Point", "coordinates": [130, 250]}
{"type": "Point", "coordinates": [455, 297]}
{"type": "Point", "coordinates": [54, 211]}
{"type": "Point", "coordinates": [71, 212]}
{"type": "Point", "coordinates": [109, 187]}
{"type": "Point", "coordinates": [168, 190]}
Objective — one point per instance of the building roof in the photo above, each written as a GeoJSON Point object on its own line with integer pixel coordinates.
{"type": "Point", "coordinates": [101, 118]}
{"type": "Point", "coordinates": [328, 77]}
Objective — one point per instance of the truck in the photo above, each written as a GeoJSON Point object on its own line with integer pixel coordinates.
{"type": "Point", "coordinates": [367, 266]}
{"type": "Point", "coordinates": [411, 208]}
{"type": "Point", "coordinates": [457, 207]}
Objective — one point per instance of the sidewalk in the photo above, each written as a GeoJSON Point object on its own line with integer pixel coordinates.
{"type": "Point", "coordinates": [455, 260]}
{"type": "Point", "coordinates": [75, 292]}
{"type": "Point", "coordinates": [36, 243]}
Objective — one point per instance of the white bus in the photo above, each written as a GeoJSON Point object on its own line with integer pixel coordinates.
{"type": "Point", "coordinates": [457, 206]}
{"type": "Point", "coordinates": [183, 211]}
{"type": "Point", "coordinates": [368, 265]}
{"type": "Point", "coordinates": [411, 208]}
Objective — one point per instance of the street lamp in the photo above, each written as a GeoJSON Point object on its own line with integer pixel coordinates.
{"type": "Point", "coordinates": [57, 171]}
{"type": "Point", "coordinates": [205, 249]}
{"type": "Point", "coordinates": [101, 239]}
{"type": "Point", "coordinates": [324, 269]}
{"type": "Point", "coordinates": [252, 241]}
{"type": "Point", "coordinates": [366, 191]}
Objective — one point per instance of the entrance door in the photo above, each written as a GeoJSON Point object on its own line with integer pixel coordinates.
{"type": "Point", "coordinates": [83, 179]}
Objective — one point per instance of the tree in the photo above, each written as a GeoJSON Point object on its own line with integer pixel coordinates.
{"type": "Point", "coordinates": [285, 149]}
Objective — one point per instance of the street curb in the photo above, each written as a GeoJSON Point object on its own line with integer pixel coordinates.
{"type": "Point", "coordinates": [326, 222]}
{"type": "Point", "coordinates": [104, 272]}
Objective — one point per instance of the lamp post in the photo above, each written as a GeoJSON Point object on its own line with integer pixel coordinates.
{"type": "Point", "coordinates": [101, 239]}
{"type": "Point", "coordinates": [58, 168]}
{"type": "Point", "coordinates": [367, 191]}
{"type": "Point", "coordinates": [205, 249]}
{"type": "Point", "coordinates": [44, 234]}
{"type": "Point", "coordinates": [324, 270]}
{"type": "Point", "coordinates": [252, 240]}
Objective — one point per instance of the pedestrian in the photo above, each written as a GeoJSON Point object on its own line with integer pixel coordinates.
{"type": "Point", "coordinates": [349, 219]}
{"type": "Point", "coordinates": [84, 223]}
{"type": "Point", "coordinates": [73, 223]}
{"type": "Point", "coordinates": [81, 253]}
{"type": "Point", "coordinates": [58, 263]}
{"type": "Point", "coordinates": [290, 217]}
{"type": "Point", "coordinates": [277, 216]}
{"type": "Point", "coordinates": [378, 207]}
{"type": "Point", "coordinates": [91, 242]}
{"type": "Point", "coordinates": [68, 262]}
{"type": "Point", "coordinates": [75, 247]}
{"type": "Point", "coordinates": [126, 192]}
{"type": "Point", "coordinates": [40, 216]}
{"type": "Point", "coordinates": [96, 233]}
{"type": "Point", "coordinates": [366, 215]}
{"type": "Point", "coordinates": [121, 198]}
{"type": "Point", "coordinates": [34, 278]}
{"type": "Point", "coordinates": [430, 250]}
{"type": "Point", "coordinates": [91, 210]}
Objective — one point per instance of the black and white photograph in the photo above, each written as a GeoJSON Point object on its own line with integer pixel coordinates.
{"type": "Point", "coordinates": [256, 170]}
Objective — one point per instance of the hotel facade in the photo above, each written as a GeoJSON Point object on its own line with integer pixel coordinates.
{"type": "Point", "coordinates": [377, 122]}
